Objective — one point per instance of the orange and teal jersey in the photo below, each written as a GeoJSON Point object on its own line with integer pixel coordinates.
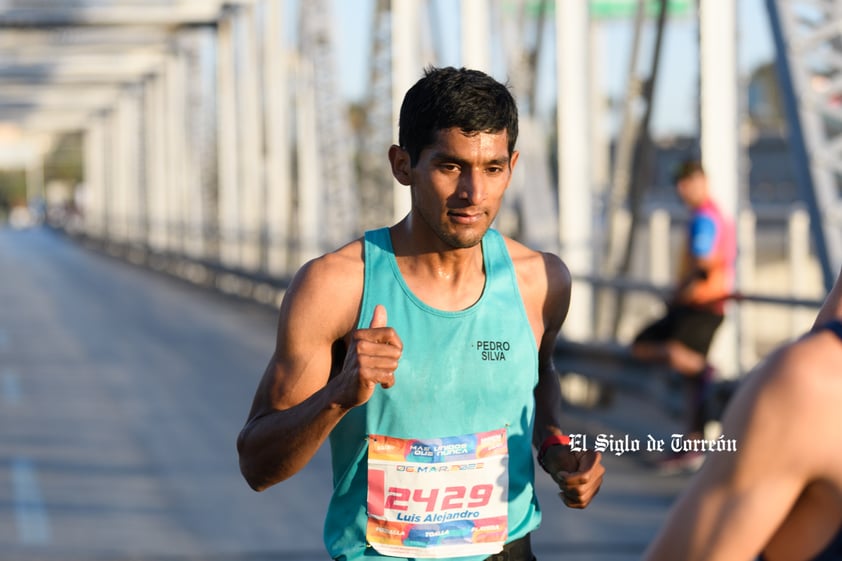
{"type": "Point", "coordinates": [710, 238]}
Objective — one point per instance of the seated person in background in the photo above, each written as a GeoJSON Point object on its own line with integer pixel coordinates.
{"type": "Point", "coordinates": [682, 337]}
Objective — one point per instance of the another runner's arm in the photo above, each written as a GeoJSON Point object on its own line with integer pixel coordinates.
{"type": "Point", "coordinates": [735, 503]}
{"type": "Point", "coordinates": [832, 305]}
{"type": "Point", "coordinates": [298, 401]}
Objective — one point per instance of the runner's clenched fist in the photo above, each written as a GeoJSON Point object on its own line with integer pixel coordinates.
{"type": "Point", "coordinates": [372, 359]}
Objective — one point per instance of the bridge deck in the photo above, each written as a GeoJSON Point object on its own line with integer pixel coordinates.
{"type": "Point", "coordinates": [121, 394]}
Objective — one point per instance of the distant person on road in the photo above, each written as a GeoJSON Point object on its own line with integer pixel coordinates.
{"type": "Point", "coordinates": [682, 338]}
{"type": "Point", "coordinates": [423, 352]}
{"type": "Point", "coordinates": [780, 494]}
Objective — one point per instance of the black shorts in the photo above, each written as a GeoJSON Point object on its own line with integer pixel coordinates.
{"type": "Point", "coordinates": [518, 550]}
{"type": "Point", "coordinates": [693, 327]}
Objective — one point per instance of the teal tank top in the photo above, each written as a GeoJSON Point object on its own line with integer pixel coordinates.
{"type": "Point", "coordinates": [461, 372]}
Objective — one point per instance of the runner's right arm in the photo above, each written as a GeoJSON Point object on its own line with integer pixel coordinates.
{"type": "Point", "coordinates": [305, 390]}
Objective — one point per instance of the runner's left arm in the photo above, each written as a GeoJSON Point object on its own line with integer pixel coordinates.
{"type": "Point", "coordinates": [578, 474]}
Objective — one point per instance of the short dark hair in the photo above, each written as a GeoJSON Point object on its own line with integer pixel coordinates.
{"type": "Point", "coordinates": [449, 97]}
{"type": "Point", "coordinates": [686, 169]}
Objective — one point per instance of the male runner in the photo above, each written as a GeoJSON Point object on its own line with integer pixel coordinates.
{"type": "Point", "coordinates": [423, 351]}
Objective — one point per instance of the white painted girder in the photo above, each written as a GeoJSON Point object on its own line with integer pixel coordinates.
{"type": "Point", "coordinates": [61, 40]}
{"type": "Point", "coordinates": [68, 54]}
{"type": "Point", "coordinates": [40, 13]}
{"type": "Point", "coordinates": [105, 64]}
{"type": "Point", "coordinates": [80, 97]}
{"type": "Point", "coordinates": [46, 120]}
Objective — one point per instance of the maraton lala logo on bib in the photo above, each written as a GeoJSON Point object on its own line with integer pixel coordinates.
{"type": "Point", "coordinates": [491, 351]}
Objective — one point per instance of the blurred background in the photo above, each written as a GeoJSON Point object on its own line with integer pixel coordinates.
{"type": "Point", "coordinates": [226, 142]}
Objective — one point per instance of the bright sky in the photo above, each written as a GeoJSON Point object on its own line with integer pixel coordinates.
{"type": "Point", "coordinates": [675, 97]}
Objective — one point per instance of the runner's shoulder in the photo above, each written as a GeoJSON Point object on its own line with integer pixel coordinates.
{"type": "Point", "coordinates": [533, 264]}
{"type": "Point", "coordinates": [337, 267]}
{"type": "Point", "coordinates": [332, 283]}
{"type": "Point", "coordinates": [802, 380]}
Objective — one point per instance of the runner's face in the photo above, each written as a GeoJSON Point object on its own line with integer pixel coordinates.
{"type": "Point", "coordinates": [458, 184]}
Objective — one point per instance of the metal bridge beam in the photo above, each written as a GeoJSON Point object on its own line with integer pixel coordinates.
{"type": "Point", "coordinates": [807, 39]}
{"type": "Point", "coordinates": [45, 13]}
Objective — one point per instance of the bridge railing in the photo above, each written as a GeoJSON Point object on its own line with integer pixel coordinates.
{"type": "Point", "coordinates": [592, 370]}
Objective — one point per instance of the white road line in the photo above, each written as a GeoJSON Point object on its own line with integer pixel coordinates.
{"type": "Point", "coordinates": [32, 523]}
{"type": "Point", "coordinates": [11, 387]}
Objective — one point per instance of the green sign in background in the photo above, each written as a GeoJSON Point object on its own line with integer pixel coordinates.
{"type": "Point", "coordinates": [627, 8]}
{"type": "Point", "coordinates": [609, 9]}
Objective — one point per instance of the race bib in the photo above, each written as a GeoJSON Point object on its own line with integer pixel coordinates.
{"type": "Point", "coordinates": [443, 497]}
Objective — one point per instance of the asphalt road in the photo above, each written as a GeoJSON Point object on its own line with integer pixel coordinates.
{"type": "Point", "coordinates": [121, 395]}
